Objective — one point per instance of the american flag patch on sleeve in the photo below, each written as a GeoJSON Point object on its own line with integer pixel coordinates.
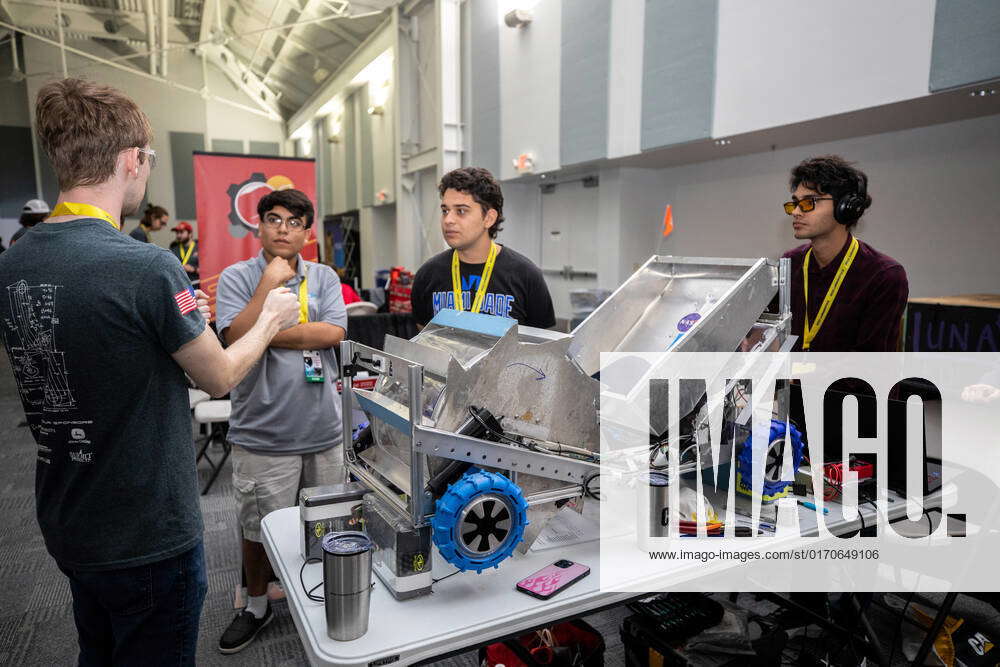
{"type": "Point", "coordinates": [186, 301]}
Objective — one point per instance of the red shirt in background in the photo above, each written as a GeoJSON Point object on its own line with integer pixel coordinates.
{"type": "Point", "coordinates": [350, 296]}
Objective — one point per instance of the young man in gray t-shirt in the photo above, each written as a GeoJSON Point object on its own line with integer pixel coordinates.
{"type": "Point", "coordinates": [285, 424]}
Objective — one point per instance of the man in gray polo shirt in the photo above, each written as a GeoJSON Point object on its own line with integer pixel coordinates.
{"type": "Point", "coordinates": [285, 423]}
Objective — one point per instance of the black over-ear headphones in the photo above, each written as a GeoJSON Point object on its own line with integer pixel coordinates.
{"type": "Point", "coordinates": [850, 207]}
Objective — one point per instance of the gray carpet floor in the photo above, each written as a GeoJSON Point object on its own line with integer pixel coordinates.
{"type": "Point", "coordinates": [36, 619]}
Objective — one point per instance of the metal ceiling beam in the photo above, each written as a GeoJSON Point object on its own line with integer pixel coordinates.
{"type": "Point", "coordinates": [260, 38]}
{"type": "Point", "coordinates": [92, 22]}
{"type": "Point", "coordinates": [242, 77]}
{"type": "Point", "coordinates": [62, 38]}
{"type": "Point", "coordinates": [172, 84]}
{"type": "Point", "coordinates": [285, 83]}
{"type": "Point", "coordinates": [312, 50]}
{"type": "Point", "coordinates": [322, 19]}
{"type": "Point", "coordinates": [289, 37]}
{"type": "Point", "coordinates": [164, 27]}
{"type": "Point", "coordinates": [105, 12]}
{"type": "Point", "coordinates": [293, 74]}
{"type": "Point", "coordinates": [302, 46]}
{"type": "Point", "coordinates": [342, 33]}
{"type": "Point", "coordinates": [290, 77]}
{"type": "Point", "coordinates": [151, 36]}
{"type": "Point", "coordinates": [296, 42]}
{"type": "Point", "coordinates": [211, 26]}
{"type": "Point", "coordinates": [208, 10]}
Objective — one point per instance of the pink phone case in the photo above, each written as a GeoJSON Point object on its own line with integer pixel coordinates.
{"type": "Point", "coordinates": [551, 579]}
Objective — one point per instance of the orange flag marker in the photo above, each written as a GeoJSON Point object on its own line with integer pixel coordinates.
{"type": "Point", "coordinates": [668, 221]}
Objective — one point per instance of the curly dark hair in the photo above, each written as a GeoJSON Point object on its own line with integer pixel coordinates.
{"type": "Point", "coordinates": [153, 212]}
{"type": "Point", "coordinates": [295, 201]}
{"type": "Point", "coordinates": [832, 175]}
{"type": "Point", "coordinates": [481, 186]}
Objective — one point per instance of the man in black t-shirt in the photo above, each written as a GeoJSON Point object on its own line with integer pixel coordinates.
{"type": "Point", "coordinates": [100, 330]}
{"type": "Point", "coordinates": [492, 279]}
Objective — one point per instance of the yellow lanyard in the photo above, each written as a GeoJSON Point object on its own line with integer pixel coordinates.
{"type": "Point", "coordinates": [69, 208]}
{"type": "Point", "coordinates": [456, 279]}
{"type": "Point", "coordinates": [831, 294]}
{"type": "Point", "coordinates": [304, 298]}
{"type": "Point", "coordinates": [186, 255]}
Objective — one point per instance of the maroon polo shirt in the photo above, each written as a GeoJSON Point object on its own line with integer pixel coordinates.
{"type": "Point", "coordinates": [867, 313]}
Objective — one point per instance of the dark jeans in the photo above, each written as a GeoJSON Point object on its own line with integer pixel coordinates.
{"type": "Point", "coordinates": [146, 615]}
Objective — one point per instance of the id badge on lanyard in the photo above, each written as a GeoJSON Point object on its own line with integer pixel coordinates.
{"type": "Point", "coordinates": [312, 361]}
{"type": "Point", "coordinates": [313, 365]}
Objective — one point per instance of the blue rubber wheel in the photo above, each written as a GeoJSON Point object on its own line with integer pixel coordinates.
{"type": "Point", "coordinates": [773, 487]}
{"type": "Point", "coordinates": [479, 520]}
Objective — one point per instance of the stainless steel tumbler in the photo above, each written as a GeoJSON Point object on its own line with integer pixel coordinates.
{"type": "Point", "coordinates": [347, 583]}
{"type": "Point", "coordinates": [659, 489]}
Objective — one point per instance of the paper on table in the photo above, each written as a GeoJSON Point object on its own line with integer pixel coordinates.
{"type": "Point", "coordinates": [565, 528]}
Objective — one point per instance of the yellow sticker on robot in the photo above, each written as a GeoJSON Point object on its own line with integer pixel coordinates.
{"type": "Point", "coordinates": [418, 563]}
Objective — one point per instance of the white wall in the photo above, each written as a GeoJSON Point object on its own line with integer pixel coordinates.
{"type": "Point", "coordinates": [529, 87]}
{"type": "Point", "coordinates": [168, 109]}
{"type": "Point", "coordinates": [226, 122]}
{"type": "Point", "coordinates": [934, 210]}
{"type": "Point", "coordinates": [522, 227]}
{"type": "Point", "coordinates": [788, 61]}
{"type": "Point", "coordinates": [625, 78]}
{"type": "Point", "coordinates": [377, 223]}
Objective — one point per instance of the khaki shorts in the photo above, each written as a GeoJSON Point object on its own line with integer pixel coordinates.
{"type": "Point", "coordinates": [266, 483]}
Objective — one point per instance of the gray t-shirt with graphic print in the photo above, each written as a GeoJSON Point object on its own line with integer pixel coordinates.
{"type": "Point", "coordinates": [90, 318]}
{"type": "Point", "coordinates": [275, 411]}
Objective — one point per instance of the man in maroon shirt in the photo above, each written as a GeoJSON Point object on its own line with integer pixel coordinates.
{"type": "Point", "coordinates": [866, 302]}
{"type": "Point", "coordinates": [850, 298]}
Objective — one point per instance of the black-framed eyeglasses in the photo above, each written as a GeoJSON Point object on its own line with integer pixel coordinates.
{"type": "Point", "coordinates": [274, 222]}
{"type": "Point", "coordinates": [805, 204]}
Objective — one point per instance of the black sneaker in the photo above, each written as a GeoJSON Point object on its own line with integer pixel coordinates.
{"type": "Point", "coordinates": [242, 630]}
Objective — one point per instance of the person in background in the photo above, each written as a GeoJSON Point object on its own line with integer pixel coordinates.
{"type": "Point", "coordinates": [153, 220]}
{"type": "Point", "coordinates": [33, 212]}
{"type": "Point", "coordinates": [185, 248]}
{"type": "Point", "coordinates": [101, 330]}
{"type": "Point", "coordinates": [350, 296]}
{"type": "Point", "coordinates": [477, 274]}
{"type": "Point", "coordinates": [285, 423]}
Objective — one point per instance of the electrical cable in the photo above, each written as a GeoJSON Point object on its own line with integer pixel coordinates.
{"type": "Point", "coordinates": [445, 576]}
{"type": "Point", "coordinates": [875, 508]}
{"type": "Point", "coordinates": [492, 430]}
{"type": "Point", "coordinates": [587, 491]}
{"type": "Point", "coordinates": [570, 450]}
{"type": "Point", "coordinates": [309, 592]}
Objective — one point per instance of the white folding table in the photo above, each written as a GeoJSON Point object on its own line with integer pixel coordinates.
{"type": "Point", "coordinates": [465, 610]}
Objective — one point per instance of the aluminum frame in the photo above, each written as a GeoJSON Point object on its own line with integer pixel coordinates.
{"type": "Point", "coordinates": [428, 441]}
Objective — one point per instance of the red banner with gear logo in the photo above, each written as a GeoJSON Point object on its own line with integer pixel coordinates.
{"type": "Point", "coordinates": [227, 189]}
